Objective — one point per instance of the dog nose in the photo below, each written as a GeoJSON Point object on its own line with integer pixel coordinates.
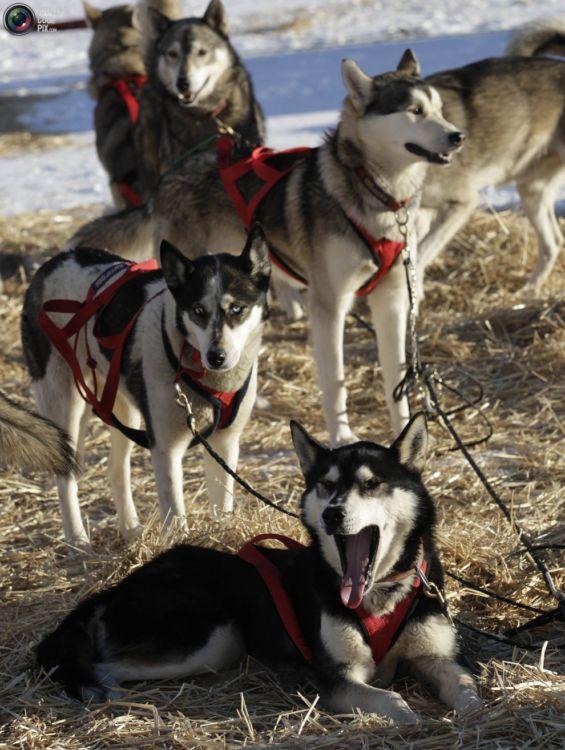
{"type": "Point", "coordinates": [456, 138]}
{"type": "Point", "coordinates": [216, 358]}
{"type": "Point", "coordinates": [333, 517]}
{"type": "Point", "coordinates": [182, 84]}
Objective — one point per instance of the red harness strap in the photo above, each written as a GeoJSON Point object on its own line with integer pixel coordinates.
{"type": "Point", "coordinates": [384, 252]}
{"type": "Point", "coordinates": [128, 88]}
{"type": "Point", "coordinates": [381, 631]}
{"type": "Point", "coordinates": [81, 313]}
{"type": "Point", "coordinates": [272, 578]}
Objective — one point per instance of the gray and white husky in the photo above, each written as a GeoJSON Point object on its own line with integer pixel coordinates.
{"type": "Point", "coordinates": [194, 75]}
{"type": "Point", "coordinates": [512, 110]}
{"type": "Point", "coordinates": [203, 314]}
{"type": "Point", "coordinates": [370, 522]}
{"type": "Point", "coordinates": [391, 127]}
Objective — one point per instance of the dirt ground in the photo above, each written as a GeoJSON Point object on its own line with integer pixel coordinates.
{"type": "Point", "coordinates": [476, 321]}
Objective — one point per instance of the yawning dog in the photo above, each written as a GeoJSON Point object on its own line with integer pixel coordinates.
{"type": "Point", "coordinates": [350, 606]}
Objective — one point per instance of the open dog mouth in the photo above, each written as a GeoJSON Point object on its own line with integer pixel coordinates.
{"type": "Point", "coordinates": [187, 99]}
{"type": "Point", "coordinates": [357, 553]}
{"type": "Point", "coordinates": [443, 157]}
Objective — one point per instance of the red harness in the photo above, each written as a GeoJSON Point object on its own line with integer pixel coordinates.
{"type": "Point", "coordinates": [128, 88]}
{"type": "Point", "coordinates": [383, 252]}
{"type": "Point", "coordinates": [224, 404]}
{"type": "Point", "coordinates": [381, 631]}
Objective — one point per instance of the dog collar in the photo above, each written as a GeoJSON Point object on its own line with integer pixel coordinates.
{"type": "Point", "coordinates": [380, 193]}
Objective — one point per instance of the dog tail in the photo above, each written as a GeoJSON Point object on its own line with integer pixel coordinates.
{"type": "Point", "coordinates": [128, 233]}
{"type": "Point", "coordinates": [32, 442]}
{"type": "Point", "coordinates": [68, 654]}
{"type": "Point", "coordinates": [540, 38]}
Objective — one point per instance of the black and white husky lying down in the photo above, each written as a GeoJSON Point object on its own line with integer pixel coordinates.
{"type": "Point", "coordinates": [192, 610]}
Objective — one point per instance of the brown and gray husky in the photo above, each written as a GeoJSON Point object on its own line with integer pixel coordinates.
{"type": "Point", "coordinates": [512, 110]}
{"type": "Point", "coordinates": [194, 77]}
{"type": "Point", "coordinates": [391, 128]}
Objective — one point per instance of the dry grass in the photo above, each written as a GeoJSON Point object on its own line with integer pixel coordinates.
{"type": "Point", "coordinates": [474, 317]}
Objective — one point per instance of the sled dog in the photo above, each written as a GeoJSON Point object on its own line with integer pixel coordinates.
{"type": "Point", "coordinates": [370, 523]}
{"type": "Point", "coordinates": [529, 152]}
{"type": "Point", "coordinates": [194, 323]}
{"type": "Point", "coordinates": [117, 75]}
{"type": "Point", "coordinates": [321, 220]}
{"type": "Point", "coordinates": [195, 79]}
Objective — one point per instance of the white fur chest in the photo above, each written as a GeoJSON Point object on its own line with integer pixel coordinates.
{"type": "Point", "coordinates": [346, 646]}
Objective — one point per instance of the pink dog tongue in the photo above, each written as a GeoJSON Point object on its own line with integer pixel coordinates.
{"type": "Point", "coordinates": [357, 551]}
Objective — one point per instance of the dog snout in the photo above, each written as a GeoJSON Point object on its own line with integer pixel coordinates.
{"type": "Point", "coordinates": [456, 138]}
{"type": "Point", "coordinates": [216, 358]}
{"type": "Point", "coordinates": [182, 84]}
{"type": "Point", "coordinates": [333, 517]}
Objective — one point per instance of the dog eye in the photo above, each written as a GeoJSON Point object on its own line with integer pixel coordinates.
{"type": "Point", "coordinates": [236, 309]}
{"type": "Point", "coordinates": [198, 310]}
{"type": "Point", "coordinates": [172, 54]}
{"type": "Point", "coordinates": [418, 110]}
{"type": "Point", "coordinates": [369, 485]}
{"type": "Point", "coordinates": [202, 52]}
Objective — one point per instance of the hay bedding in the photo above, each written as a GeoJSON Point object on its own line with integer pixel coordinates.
{"type": "Point", "coordinates": [474, 317]}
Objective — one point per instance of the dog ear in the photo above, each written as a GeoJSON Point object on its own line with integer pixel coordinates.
{"type": "Point", "coordinates": [409, 64]}
{"type": "Point", "coordinates": [307, 449]}
{"type": "Point", "coordinates": [93, 15]}
{"type": "Point", "coordinates": [177, 268]}
{"type": "Point", "coordinates": [411, 445]}
{"type": "Point", "coordinates": [152, 22]}
{"type": "Point", "coordinates": [358, 84]}
{"type": "Point", "coordinates": [255, 254]}
{"type": "Point", "coordinates": [215, 17]}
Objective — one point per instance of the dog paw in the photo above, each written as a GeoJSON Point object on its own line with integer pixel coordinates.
{"type": "Point", "coordinates": [468, 702]}
{"type": "Point", "coordinates": [80, 545]}
{"type": "Point", "coordinates": [131, 533]}
{"type": "Point", "coordinates": [399, 711]}
{"type": "Point", "coordinates": [344, 437]}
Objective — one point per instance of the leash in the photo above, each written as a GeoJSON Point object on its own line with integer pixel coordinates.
{"type": "Point", "coordinates": [421, 377]}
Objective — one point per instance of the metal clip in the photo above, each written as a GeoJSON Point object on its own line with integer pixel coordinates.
{"type": "Point", "coordinates": [431, 590]}
{"type": "Point", "coordinates": [182, 401]}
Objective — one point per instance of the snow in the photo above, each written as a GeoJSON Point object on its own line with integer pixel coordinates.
{"type": "Point", "coordinates": [293, 51]}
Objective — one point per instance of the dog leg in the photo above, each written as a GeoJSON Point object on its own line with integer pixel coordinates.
{"type": "Point", "coordinates": [328, 322]}
{"type": "Point", "coordinates": [538, 200]}
{"type": "Point", "coordinates": [289, 298]}
{"type": "Point", "coordinates": [348, 696]}
{"type": "Point", "coordinates": [389, 305]}
{"type": "Point", "coordinates": [452, 683]}
{"type": "Point", "coordinates": [219, 482]}
{"type": "Point", "coordinates": [448, 221]}
{"type": "Point", "coordinates": [167, 465]}
{"type": "Point", "coordinates": [119, 470]}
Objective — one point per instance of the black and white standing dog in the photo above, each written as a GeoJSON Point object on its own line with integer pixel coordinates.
{"type": "Point", "coordinates": [206, 315]}
{"type": "Point", "coordinates": [192, 609]}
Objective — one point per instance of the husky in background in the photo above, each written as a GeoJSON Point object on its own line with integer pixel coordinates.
{"type": "Point", "coordinates": [194, 77]}
{"type": "Point", "coordinates": [370, 521]}
{"type": "Point", "coordinates": [31, 442]}
{"type": "Point", "coordinates": [203, 319]}
{"type": "Point", "coordinates": [392, 128]}
{"type": "Point", "coordinates": [512, 111]}
{"type": "Point", "coordinates": [114, 56]}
